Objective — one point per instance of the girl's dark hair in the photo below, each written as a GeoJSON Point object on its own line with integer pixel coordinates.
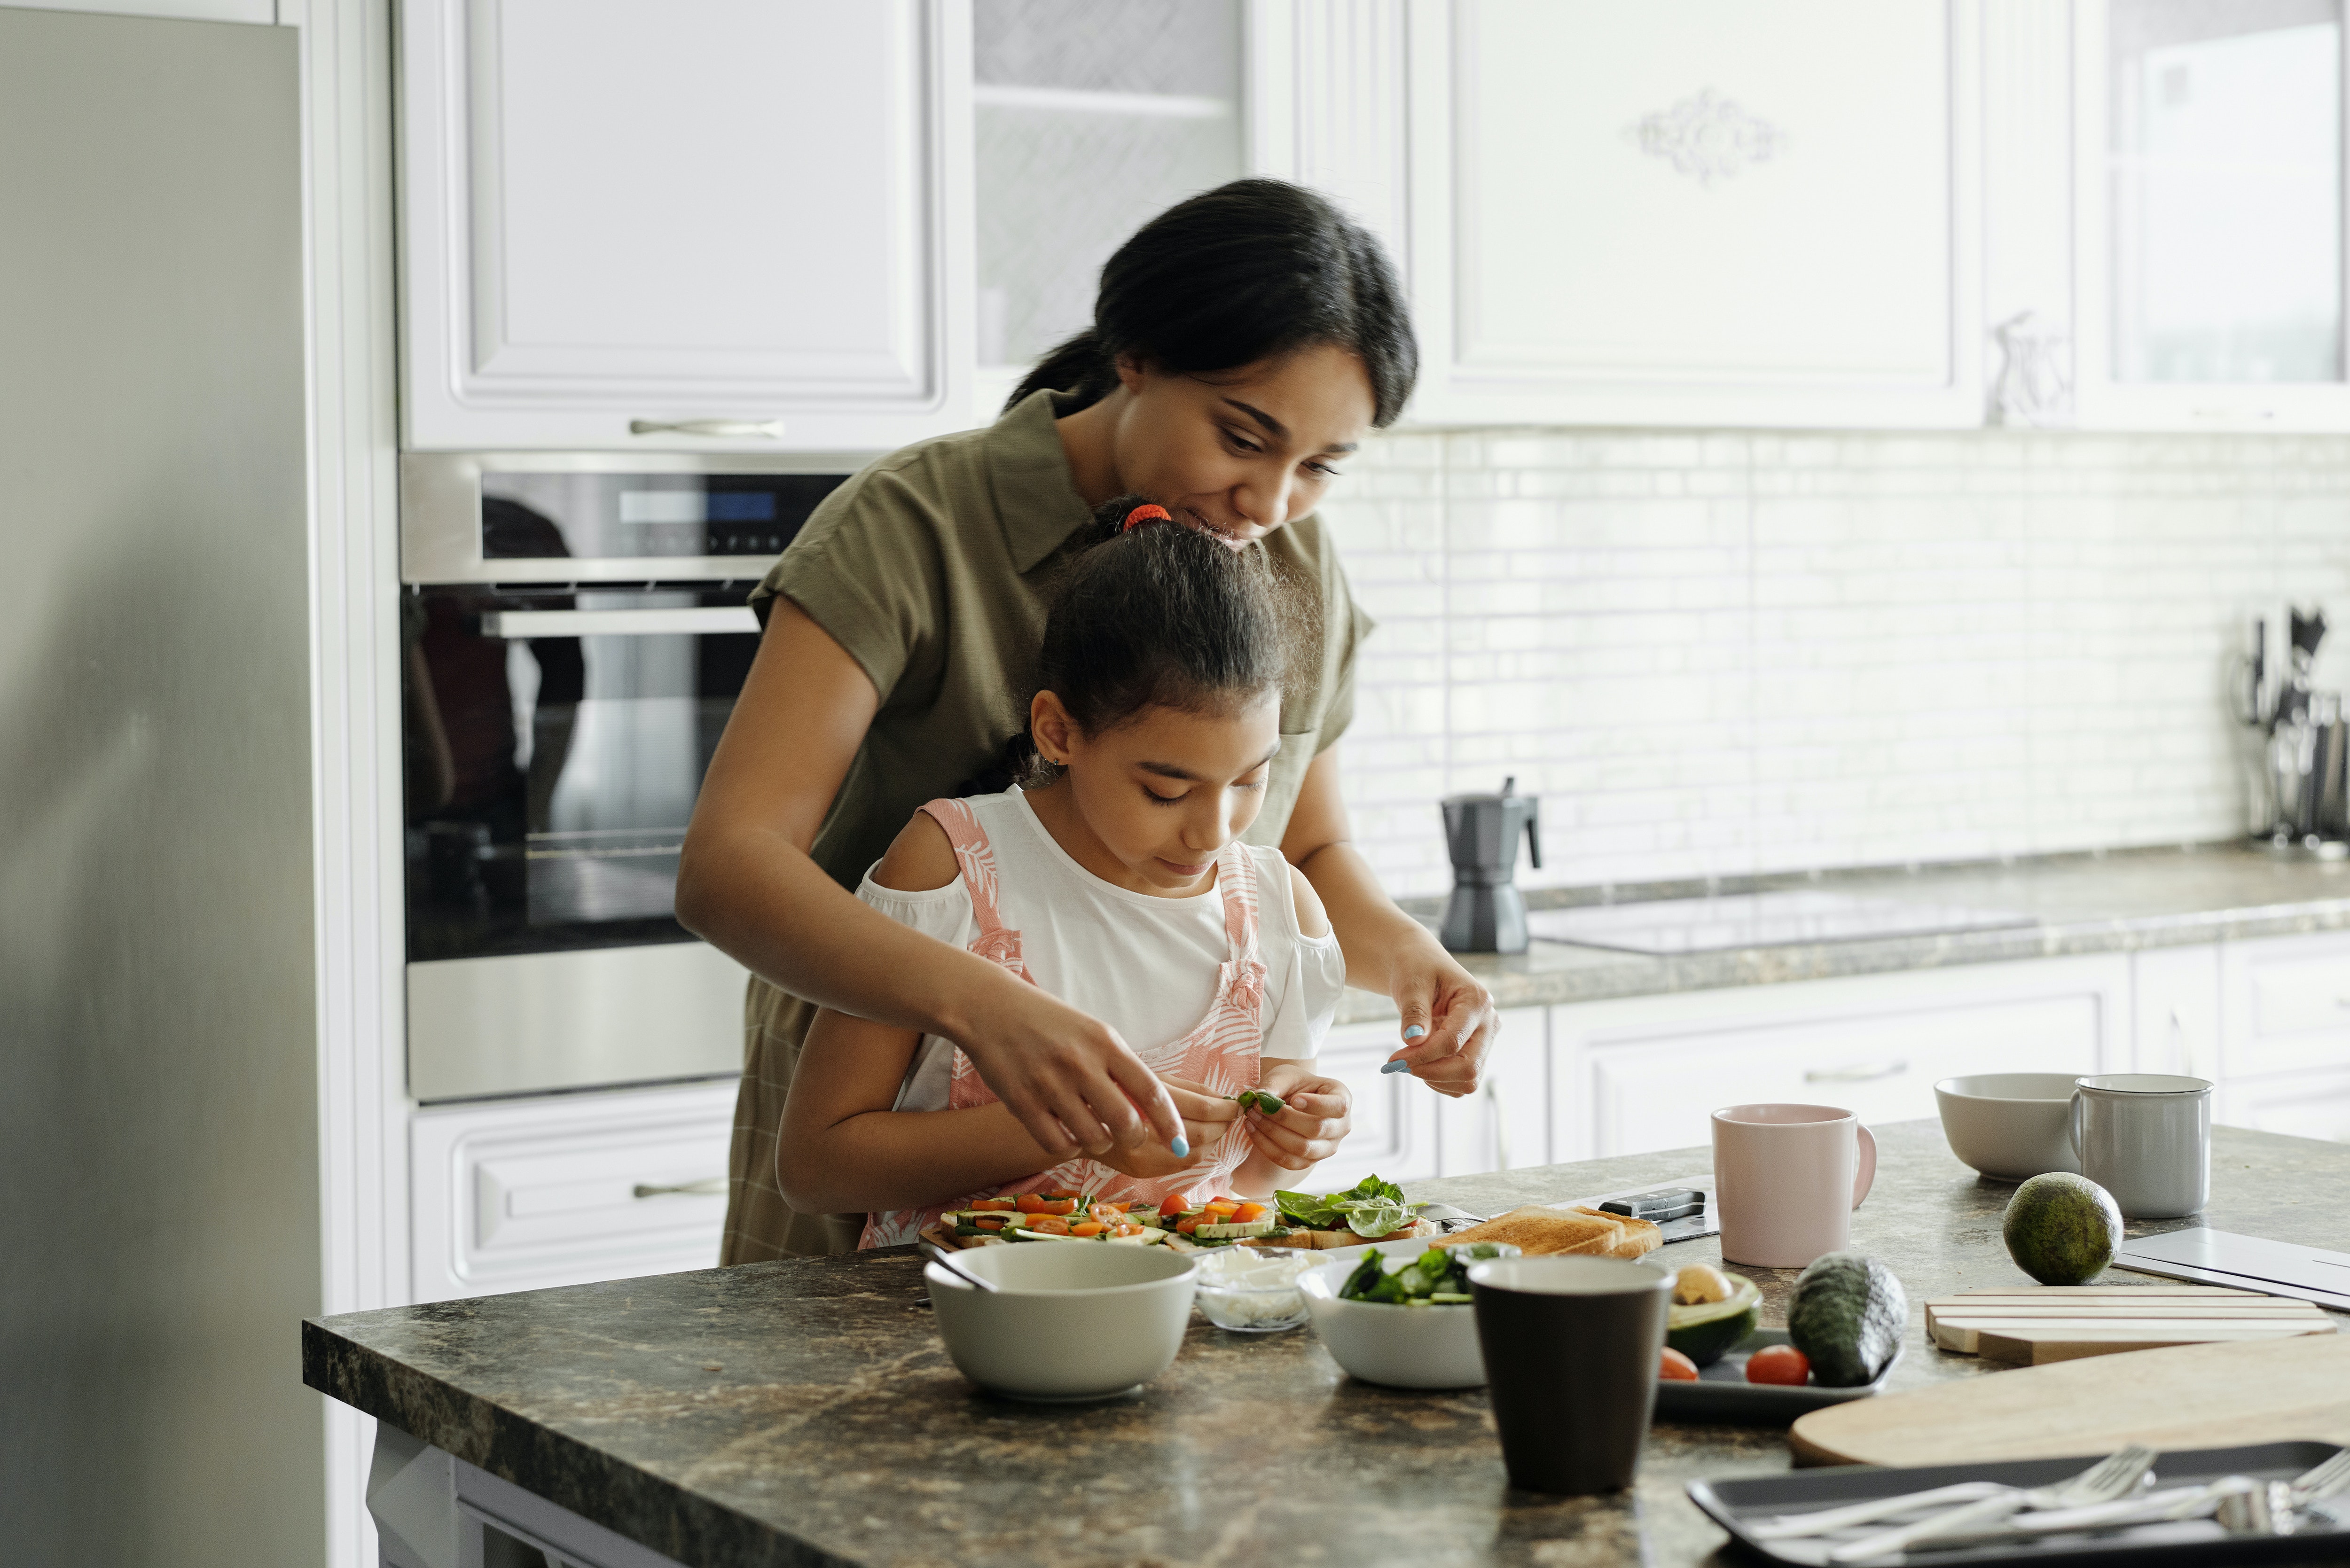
{"type": "Point", "coordinates": [1236, 275]}
{"type": "Point", "coordinates": [1158, 614]}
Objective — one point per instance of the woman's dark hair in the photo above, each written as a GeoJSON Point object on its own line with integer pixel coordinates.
{"type": "Point", "coordinates": [1157, 615]}
{"type": "Point", "coordinates": [1239, 274]}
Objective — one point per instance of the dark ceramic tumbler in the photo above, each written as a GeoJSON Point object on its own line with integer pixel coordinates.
{"type": "Point", "coordinates": [1571, 1351]}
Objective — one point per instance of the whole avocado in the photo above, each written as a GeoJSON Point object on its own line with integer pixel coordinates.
{"type": "Point", "coordinates": [2062, 1229]}
{"type": "Point", "coordinates": [1846, 1316]}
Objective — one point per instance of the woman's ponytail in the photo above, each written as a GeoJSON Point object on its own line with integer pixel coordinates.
{"type": "Point", "coordinates": [1077, 366]}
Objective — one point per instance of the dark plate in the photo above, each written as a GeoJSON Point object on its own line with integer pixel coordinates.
{"type": "Point", "coordinates": [1723, 1394]}
{"type": "Point", "coordinates": [1736, 1504]}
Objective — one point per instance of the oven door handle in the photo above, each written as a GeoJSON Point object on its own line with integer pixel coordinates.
{"type": "Point", "coordinates": [695, 621]}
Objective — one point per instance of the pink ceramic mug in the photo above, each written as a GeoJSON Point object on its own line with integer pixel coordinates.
{"type": "Point", "coordinates": [1788, 1179]}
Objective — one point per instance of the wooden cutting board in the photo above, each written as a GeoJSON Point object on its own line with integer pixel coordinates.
{"type": "Point", "coordinates": [2193, 1396]}
{"type": "Point", "coordinates": [2032, 1326]}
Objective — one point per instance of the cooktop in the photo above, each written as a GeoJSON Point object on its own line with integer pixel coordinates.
{"type": "Point", "coordinates": [1786, 918]}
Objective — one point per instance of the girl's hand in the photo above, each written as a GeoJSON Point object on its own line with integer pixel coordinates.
{"type": "Point", "coordinates": [1317, 1118]}
{"type": "Point", "coordinates": [1207, 1119]}
{"type": "Point", "coordinates": [1449, 1020]}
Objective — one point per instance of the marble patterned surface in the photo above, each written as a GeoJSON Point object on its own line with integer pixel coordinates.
{"type": "Point", "coordinates": [2082, 904]}
{"type": "Point", "coordinates": [805, 1412]}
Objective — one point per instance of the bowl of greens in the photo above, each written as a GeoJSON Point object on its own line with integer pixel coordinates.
{"type": "Point", "coordinates": [1403, 1320]}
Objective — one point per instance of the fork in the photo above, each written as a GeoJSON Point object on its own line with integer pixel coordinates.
{"type": "Point", "coordinates": [2116, 1475]}
{"type": "Point", "coordinates": [2323, 1482]}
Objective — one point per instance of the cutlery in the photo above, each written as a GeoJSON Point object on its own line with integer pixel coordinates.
{"type": "Point", "coordinates": [2323, 1482]}
{"type": "Point", "coordinates": [2113, 1476]}
{"type": "Point", "coordinates": [946, 1260]}
{"type": "Point", "coordinates": [1828, 1521]}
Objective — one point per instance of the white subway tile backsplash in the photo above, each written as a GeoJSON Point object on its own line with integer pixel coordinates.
{"type": "Point", "coordinates": [1718, 654]}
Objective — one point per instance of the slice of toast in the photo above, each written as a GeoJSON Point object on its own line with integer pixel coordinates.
{"type": "Point", "coordinates": [1540, 1231]}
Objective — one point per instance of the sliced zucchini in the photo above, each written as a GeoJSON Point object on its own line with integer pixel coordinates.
{"type": "Point", "coordinates": [1227, 1232]}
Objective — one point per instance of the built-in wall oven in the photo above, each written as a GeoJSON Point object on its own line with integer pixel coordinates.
{"type": "Point", "coordinates": [574, 636]}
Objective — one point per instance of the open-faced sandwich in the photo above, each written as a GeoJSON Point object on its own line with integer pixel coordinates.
{"type": "Point", "coordinates": [1539, 1232]}
{"type": "Point", "coordinates": [1371, 1210]}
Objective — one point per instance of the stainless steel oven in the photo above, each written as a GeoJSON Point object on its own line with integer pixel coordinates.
{"type": "Point", "coordinates": [574, 634]}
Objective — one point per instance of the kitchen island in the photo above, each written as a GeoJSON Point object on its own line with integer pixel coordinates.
{"type": "Point", "coordinates": [805, 1412]}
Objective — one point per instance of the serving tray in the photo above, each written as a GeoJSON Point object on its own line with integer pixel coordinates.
{"type": "Point", "coordinates": [1738, 1505]}
{"type": "Point", "coordinates": [1723, 1394]}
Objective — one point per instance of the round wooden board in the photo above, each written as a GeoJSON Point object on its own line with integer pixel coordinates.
{"type": "Point", "coordinates": [2192, 1396]}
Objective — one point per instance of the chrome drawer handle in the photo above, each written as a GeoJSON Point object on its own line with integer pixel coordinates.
{"type": "Point", "coordinates": [1855, 1074]}
{"type": "Point", "coordinates": [772, 430]}
{"type": "Point", "coordinates": [708, 1187]}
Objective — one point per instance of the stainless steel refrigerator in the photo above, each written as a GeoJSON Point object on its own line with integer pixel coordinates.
{"type": "Point", "coordinates": [158, 1168]}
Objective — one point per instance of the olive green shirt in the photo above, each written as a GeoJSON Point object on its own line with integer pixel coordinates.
{"type": "Point", "coordinates": [934, 570]}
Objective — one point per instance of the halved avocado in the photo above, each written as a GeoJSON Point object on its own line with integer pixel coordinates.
{"type": "Point", "coordinates": [1704, 1331]}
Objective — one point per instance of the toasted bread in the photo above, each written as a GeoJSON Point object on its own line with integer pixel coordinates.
{"type": "Point", "coordinates": [1540, 1231]}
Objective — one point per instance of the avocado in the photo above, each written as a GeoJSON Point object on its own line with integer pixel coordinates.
{"type": "Point", "coordinates": [1705, 1330]}
{"type": "Point", "coordinates": [2062, 1229]}
{"type": "Point", "coordinates": [1847, 1315]}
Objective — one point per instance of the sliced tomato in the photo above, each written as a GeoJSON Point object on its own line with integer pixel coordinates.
{"type": "Point", "coordinates": [1110, 1211]}
{"type": "Point", "coordinates": [1677, 1367]}
{"type": "Point", "coordinates": [1049, 1225]}
{"type": "Point", "coordinates": [1088, 1228]}
{"type": "Point", "coordinates": [1248, 1212]}
{"type": "Point", "coordinates": [993, 1203]}
{"type": "Point", "coordinates": [1779, 1364]}
{"type": "Point", "coordinates": [1059, 1205]}
{"type": "Point", "coordinates": [1222, 1206]}
{"type": "Point", "coordinates": [1172, 1205]}
{"type": "Point", "coordinates": [1029, 1203]}
{"type": "Point", "coordinates": [989, 1224]}
{"type": "Point", "coordinates": [1185, 1226]}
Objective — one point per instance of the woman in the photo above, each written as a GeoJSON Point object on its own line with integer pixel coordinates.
{"type": "Point", "coordinates": [1243, 343]}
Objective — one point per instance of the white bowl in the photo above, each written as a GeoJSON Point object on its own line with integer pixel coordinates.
{"type": "Point", "coordinates": [1249, 1290]}
{"type": "Point", "coordinates": [1071, 1320]}
{"type": "Point", "coordinates": [2011, 1126]}
{"type": "Point", "coordinates": [1401, 1346]}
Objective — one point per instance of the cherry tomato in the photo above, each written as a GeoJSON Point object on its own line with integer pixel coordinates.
{"type": "Point", "coordinates": [1005, 1203]}
{"type": "Point", "coordinates": [1049, 1225]}
{"type": "Point", "coordinates": [1677, 1367]}
{"type": "Point", "coordinates": [1185, 1227]}
{"type": "Point", "coordinates": [1029, 1203]}
{"type": "Point", "coordinates": [1172, 1205]}
{"type": "Point", "coordinates": [1088, 1228]}
{"type": "Point", "coordinates": [989, 1224]}
{"type": "Point", "coordinates": [1059, 1205]}
{"type": "Point", "coordinates": [1779, 1364]}
{"type": "Point", "coordinates": [1248, 1212]}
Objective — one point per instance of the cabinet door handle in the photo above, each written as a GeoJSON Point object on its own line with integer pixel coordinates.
{"type": "Point", "coordinates": [771, 429]}
{"type": "Point", "coordinates": [708, 1187]}
{"type": "Point", "coordinates": [1866, 1074]}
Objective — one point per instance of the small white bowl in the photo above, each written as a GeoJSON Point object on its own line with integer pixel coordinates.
{"type": "Point", "coordinates": [1401, 1346]}
{"type": "Point", "coordinates": [1070, 1320]}
{"type": "Point", "coordinates": [1249, 1290]}
{"type": "Point", "coordinates": [2011, 1126]}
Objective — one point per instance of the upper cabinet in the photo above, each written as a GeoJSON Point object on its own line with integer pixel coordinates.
{"type": "Point", "coordinates": [1708, 213]}
{"type": "Point", "coordinates": [734, 223]}
{"type": "Point", "coordinates": [2210, 214]}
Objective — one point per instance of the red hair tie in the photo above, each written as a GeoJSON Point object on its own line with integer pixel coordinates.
{"type": "Point", "coordinates": [1146, 514]}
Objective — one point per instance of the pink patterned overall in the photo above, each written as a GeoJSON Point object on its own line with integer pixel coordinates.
{"type": "Point", "coordinates": [1223, 1051]}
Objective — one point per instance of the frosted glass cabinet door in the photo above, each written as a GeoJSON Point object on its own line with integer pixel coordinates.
{"type": "Point", "coordinates": [2211, 214]}
{"type": "Point", "coordinates": [1712, 212]}
{"type": "Point", "coordinates": [740, 217]}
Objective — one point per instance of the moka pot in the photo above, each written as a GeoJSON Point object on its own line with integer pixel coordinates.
{"type": "Point", "coordinates": [1486, 913]}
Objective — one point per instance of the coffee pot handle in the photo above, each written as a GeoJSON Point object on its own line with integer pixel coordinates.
{"type": "Point", "coordinates": [1533, 832]}
{"type": "Point", "coordinates": [1864, 1178]}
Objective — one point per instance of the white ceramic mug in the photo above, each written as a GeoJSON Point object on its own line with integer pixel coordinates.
{"type": "Point", "coordinates": [1788, 1179]}
{"type": "Point", "coordinates": [2145, 1137]}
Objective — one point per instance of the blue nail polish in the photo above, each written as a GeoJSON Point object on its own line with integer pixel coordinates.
{"type": "Point", "coordinates": [1415, 1031]}
{"type": "Point", "coordinates": [1396, 1067]}
{"type": "Point", "coordinates": [1182, 1145]}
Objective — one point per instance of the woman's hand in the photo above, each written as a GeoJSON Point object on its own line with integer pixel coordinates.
{"type": "Point", "coordinates": [1208, 1117]}
{"type": "Point", "coordinates": [1449, 1020]}
{"type": "Point", "coordinates": [1317, 1118]}
{"type": "Point", "coordinates": [1068, 1076]}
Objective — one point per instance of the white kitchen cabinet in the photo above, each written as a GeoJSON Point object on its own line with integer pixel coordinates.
{"type": "Point", "coordinates": [2302, 1104]}
{"type": "Point", "coordinates": [2177, 1012]}
{"type": "Point", "coordinates": [565, 1189]}
{"type": "Point", "coordinates": [1647, 1073]}
{"type": "Point", "coordinates": [2285, 1007]}
{"type": "Point", "coordinates": [738, 224]}
{"type": "Point", "coordinates": [1711, 213]}
{"type": "Point", "coordinates": [1394, 1114]}
{"type": "Point", "coordinates": [2209, 210]}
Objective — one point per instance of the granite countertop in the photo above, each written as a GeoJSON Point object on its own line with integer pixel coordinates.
{"type": "Point", "coordinates": [2114, 902]}
{"type": "Point", "coordinates": [805, 1412]}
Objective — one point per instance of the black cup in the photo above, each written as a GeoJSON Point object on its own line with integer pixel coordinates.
{"type": "Point", "coordinates": [1571, 1350]}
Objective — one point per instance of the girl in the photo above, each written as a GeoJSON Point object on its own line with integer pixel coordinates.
{"type": "Point", "coordinates": [1118, 883]}
{"type": "Point", "coordinates": [1244, 344]}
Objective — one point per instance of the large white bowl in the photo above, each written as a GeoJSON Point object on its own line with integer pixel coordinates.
{"type": "Point", "coordinates": [1401, 1346]}
{"type": "Point", "coordinates": [2011, 1126]}
{"type": "Point", "coordinates": [1071, 1320]}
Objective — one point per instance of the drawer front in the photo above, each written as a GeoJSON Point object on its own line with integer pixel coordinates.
{"type": "Point", "coordinates": [1649, 1076]}
{"type": "Point", "coordinates": [2307, 1104]}
{"type": "Point", "coordinates": [522, 1196]}
{"type": "Point", "coordinates": [2289, 1005]}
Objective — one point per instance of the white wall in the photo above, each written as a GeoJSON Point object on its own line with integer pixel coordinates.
{"type": "Point", "coordinates": [1725, 654]}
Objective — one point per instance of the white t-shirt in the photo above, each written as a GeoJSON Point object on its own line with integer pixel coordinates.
{"type": "Point", "coordinates": [1145, 966]}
